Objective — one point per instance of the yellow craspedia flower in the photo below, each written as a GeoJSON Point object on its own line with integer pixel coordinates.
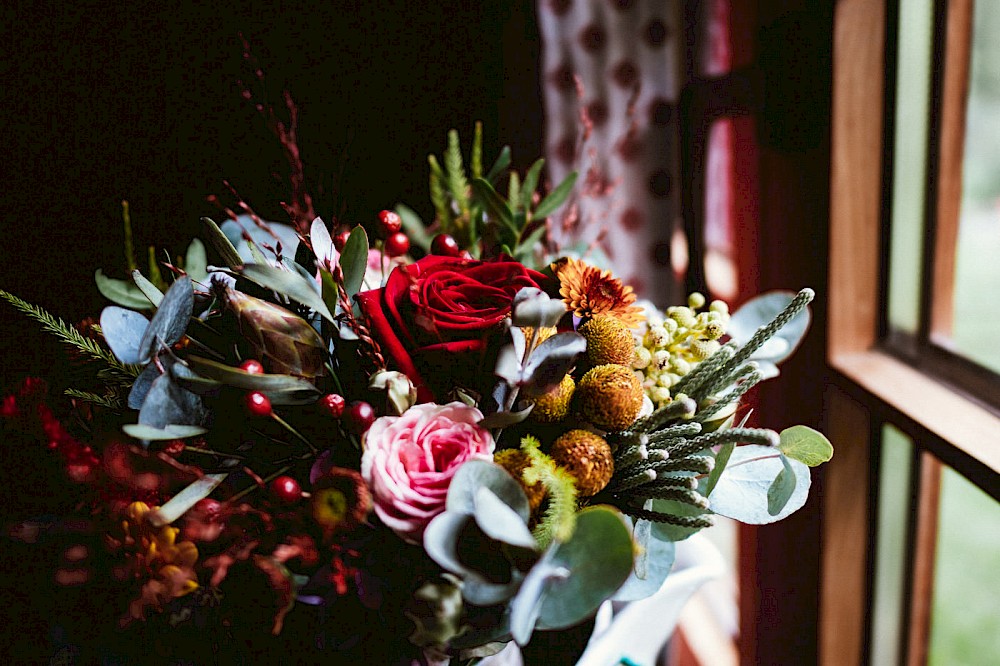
{"type": "Point", "coordinates": [609, 396]}
{"type": "Point", "coordinates": [608, 341]}
{"type": "Point", "coordinates": [554, 405]}
{"type": "Point", "coordinates": [587, 457]}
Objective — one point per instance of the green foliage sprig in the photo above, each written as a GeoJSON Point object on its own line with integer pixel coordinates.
{"type": "Point", "coordinates": [120, 372]}
{"type": "Point", "coordinates": [559, 519]}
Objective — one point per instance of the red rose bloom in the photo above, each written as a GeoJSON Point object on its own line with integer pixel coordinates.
{"type": "Point", "coordinates": [435, 319]}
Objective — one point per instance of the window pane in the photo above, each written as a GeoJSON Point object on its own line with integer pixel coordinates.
{"type": "Point", "coordinates": [965, 625]}
{"type": "Point", "coordinates": [913, 80]}
{"type": "Point", "coordinates": [895, 467]}
{"type": "Point", "coordinates": [976, 324]}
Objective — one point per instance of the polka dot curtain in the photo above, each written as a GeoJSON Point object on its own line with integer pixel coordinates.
{"type": "Point", "coordinates": [612, 76]}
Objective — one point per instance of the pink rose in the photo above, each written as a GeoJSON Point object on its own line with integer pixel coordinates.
{"type": "Point", "coordinates": [409, 461]}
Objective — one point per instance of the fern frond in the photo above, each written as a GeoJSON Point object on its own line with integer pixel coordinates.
{"type": "Point", "coordinates": [455, 172]}
{"type": "Point", "coordinates": [559, 520]}
{"type": "Point", "coordinates": [70, 336]}
{"type": "Point", "coordinates": [477, 151]}
{"type": "Point", "coordinates": [438, 195]}
{"type": "Point", "coordinates": [111, 400]}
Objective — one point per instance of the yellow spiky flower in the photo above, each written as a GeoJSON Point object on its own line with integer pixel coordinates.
{"type": "Point", "coordinates": [587, 457]}
{"type": "Point", "coordinates": [609, 396]}
{"type": "Point", "coordinates": [608, 341]}
{"type": "Point", "coordinates": [554, 405]}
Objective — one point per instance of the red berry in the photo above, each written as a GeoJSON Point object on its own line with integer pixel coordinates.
{"type": "Point", "coordinates": [253, 366]}
{"type": "Point", "coordinates": [208, 507]}
{"type": "Point", "coordinates": [397, 244]}
{"type": "Point", "coordinates": [286, 489]}
{"type": "Point", "coordinates": [359, 417]}
{"type": "Point", "coordinates": [258, 404]}
{"type": "Point", "coordinates": [340, 240]}
{"type": "Point", "coordinates": [332, 404]}
{"type": "Point", "coordinates": [445, 245]}
{"type": "Point", "coordinates": [391, 222]}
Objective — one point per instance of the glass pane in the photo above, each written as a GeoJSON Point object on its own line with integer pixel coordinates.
{"type": "Point", "coordinates": [965, 616]}
{"type": "Point", "coordinates": [895, 467]}
{"type": "Point", "coordinates": [976, 324]}
{"type": "Point", "coordinates": [913, 80]}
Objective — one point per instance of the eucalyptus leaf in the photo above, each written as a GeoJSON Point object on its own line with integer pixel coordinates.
{"type": "Point", "coordinates": [196, 261]}
{"type": "Point", "coordinates": [227, 251]}
{"type": "Point", "coordinates": [243, 227]}
{"type": "Point", "coordinates": [500, 522]}
{"type": "Point", "coordinates": [171, 318]}
{"type": "Point", "coordinates": [505, 419]}
{"type": "Point", "coordinates": [140, 387]}
{"type": "Point", "coordinates": [281, 389]}
{"type": "Point", "coordinates": [781, 489]}
{"type": "Point", "coordinates": [441, 539]}
{"type": "Point", "coordinates": [599, 559]}
{"type": "Point", "coordinates": [123, 330]}
{"type": "Point", "coordinates": [806, 445]}
{"type": "Point", "coordinates": [287, 283]}
{"type": "Point", "coordinates": [556, 197]}
{"type": "Point", "coordinates": [742, 490]}
{"type": "Point", "coordinates": [526, 606]}
{"type": "Point", "coordinates": [721, 460]}
{"type": "Point", "coordinates": [185, 499]}
{"type": "Point", "coordinates": [354, 260]}
{"type": "Point", "coordinates": [167, 403]}
{"type": "Point", "coordinates": [120, 291]}
{"type": "Point", "coordinates": [534, 308]}
{"type": "Point", "coordinates": [476, 474]}
{"type": "Point", "coordinates": [658, 559]}
{"type": "Point", "coordinates": [551, 360]}
{"type": "Point", "coordinates": [322, 244]}
{"type": "Point", "coordinates": [669, 532]}
{"type": "Point", "coordinates": [148, 289]}
{"type": "Point", "coordinates": [760, 311]}
{"type": "Point", "coordinates": [151, 433]}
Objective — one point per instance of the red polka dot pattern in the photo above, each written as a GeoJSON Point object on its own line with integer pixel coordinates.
{"type": "Point", "coordinates": [560, 7]}
{"type": "Point", "coordinates": [628, 148]}
{"type": "Point", "coordinates": [562, 78]}
{"type": "Point", "coordinates": [565, 150]}
{"type": "Point", "coordinates": [622, 5]}
{"type": "Point", "coordinates": [597, 111]}
{"type": "Point", "coordinates": [626, 73]}
{"type": "Point", "coordinates": [593, 38]}
{"type": "Point", "coordinates": [656, 33]}
{"type": "Point", "coordinates": [660, 112]}
{"type": "Point", "coordinates": [632, 219]}
{"type": "Point", "coordinates": [660, 254]}
{"type": "Point", "coordinates": [659, 183]}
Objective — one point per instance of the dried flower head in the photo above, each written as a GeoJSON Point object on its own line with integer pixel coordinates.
{"type": "Point", "coordinates": [587, 457]}
{"type": "Point", "coordinates": [589, 291]}
{"type": "Point", "coordinates": [608, 341]}
{"type": "Point", "coordinates": [609, 396]}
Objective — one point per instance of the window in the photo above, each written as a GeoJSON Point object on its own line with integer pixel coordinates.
{"type": "Point", "coordinates": [912, 407]}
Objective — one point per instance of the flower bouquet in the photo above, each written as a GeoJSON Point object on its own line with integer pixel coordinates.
{"type": "Point", "coordinates": [411, 442]}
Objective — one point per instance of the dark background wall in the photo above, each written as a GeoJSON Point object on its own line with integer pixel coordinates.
{"type": "Point", "coordinates": [102, 102]}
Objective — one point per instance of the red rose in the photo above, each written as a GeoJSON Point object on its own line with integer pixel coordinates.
{"type": "Point", "coordinates": [437, 318]}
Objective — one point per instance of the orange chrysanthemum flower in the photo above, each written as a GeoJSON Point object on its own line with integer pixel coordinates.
{"type": "Point", "coordinates": [589, 291]}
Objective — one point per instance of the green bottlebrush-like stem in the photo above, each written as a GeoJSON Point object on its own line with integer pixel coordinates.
{"type": "Point", "coordinates": [682, 495]}
{"type": "Point", "coordinates": [632, 480]}
{"type": "Point", "coordinates": [693, 522]}
{"type": "Point", "coordinates": [766, 332]}
{"type": "Point", "coordinates": [760, 436]}
{"type": "Point", "coordinates": [692, 382]}
{"type": "Point", "coordinates": [679, 431]}
{"type": "Point", "coordinates": [745, 373]}
{"type": "Point", "coordinates": [631, 455]}
{"type": "Point", "coordinates": [680, 407]}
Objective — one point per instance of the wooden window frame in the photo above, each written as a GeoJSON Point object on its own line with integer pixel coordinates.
{"type": "Point", "coordinates": [870, 385]}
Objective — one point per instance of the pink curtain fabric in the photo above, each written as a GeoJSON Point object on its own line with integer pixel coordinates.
{"type": "Point", "coordinates": [612, 75]}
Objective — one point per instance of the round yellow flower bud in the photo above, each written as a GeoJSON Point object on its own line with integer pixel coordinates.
{"type": "Point", "coordinates": [608, 341]}
{"type": "Point", "coordinates": [587, 457]}
{"type": "Point", "coordinates": [609, 396]}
